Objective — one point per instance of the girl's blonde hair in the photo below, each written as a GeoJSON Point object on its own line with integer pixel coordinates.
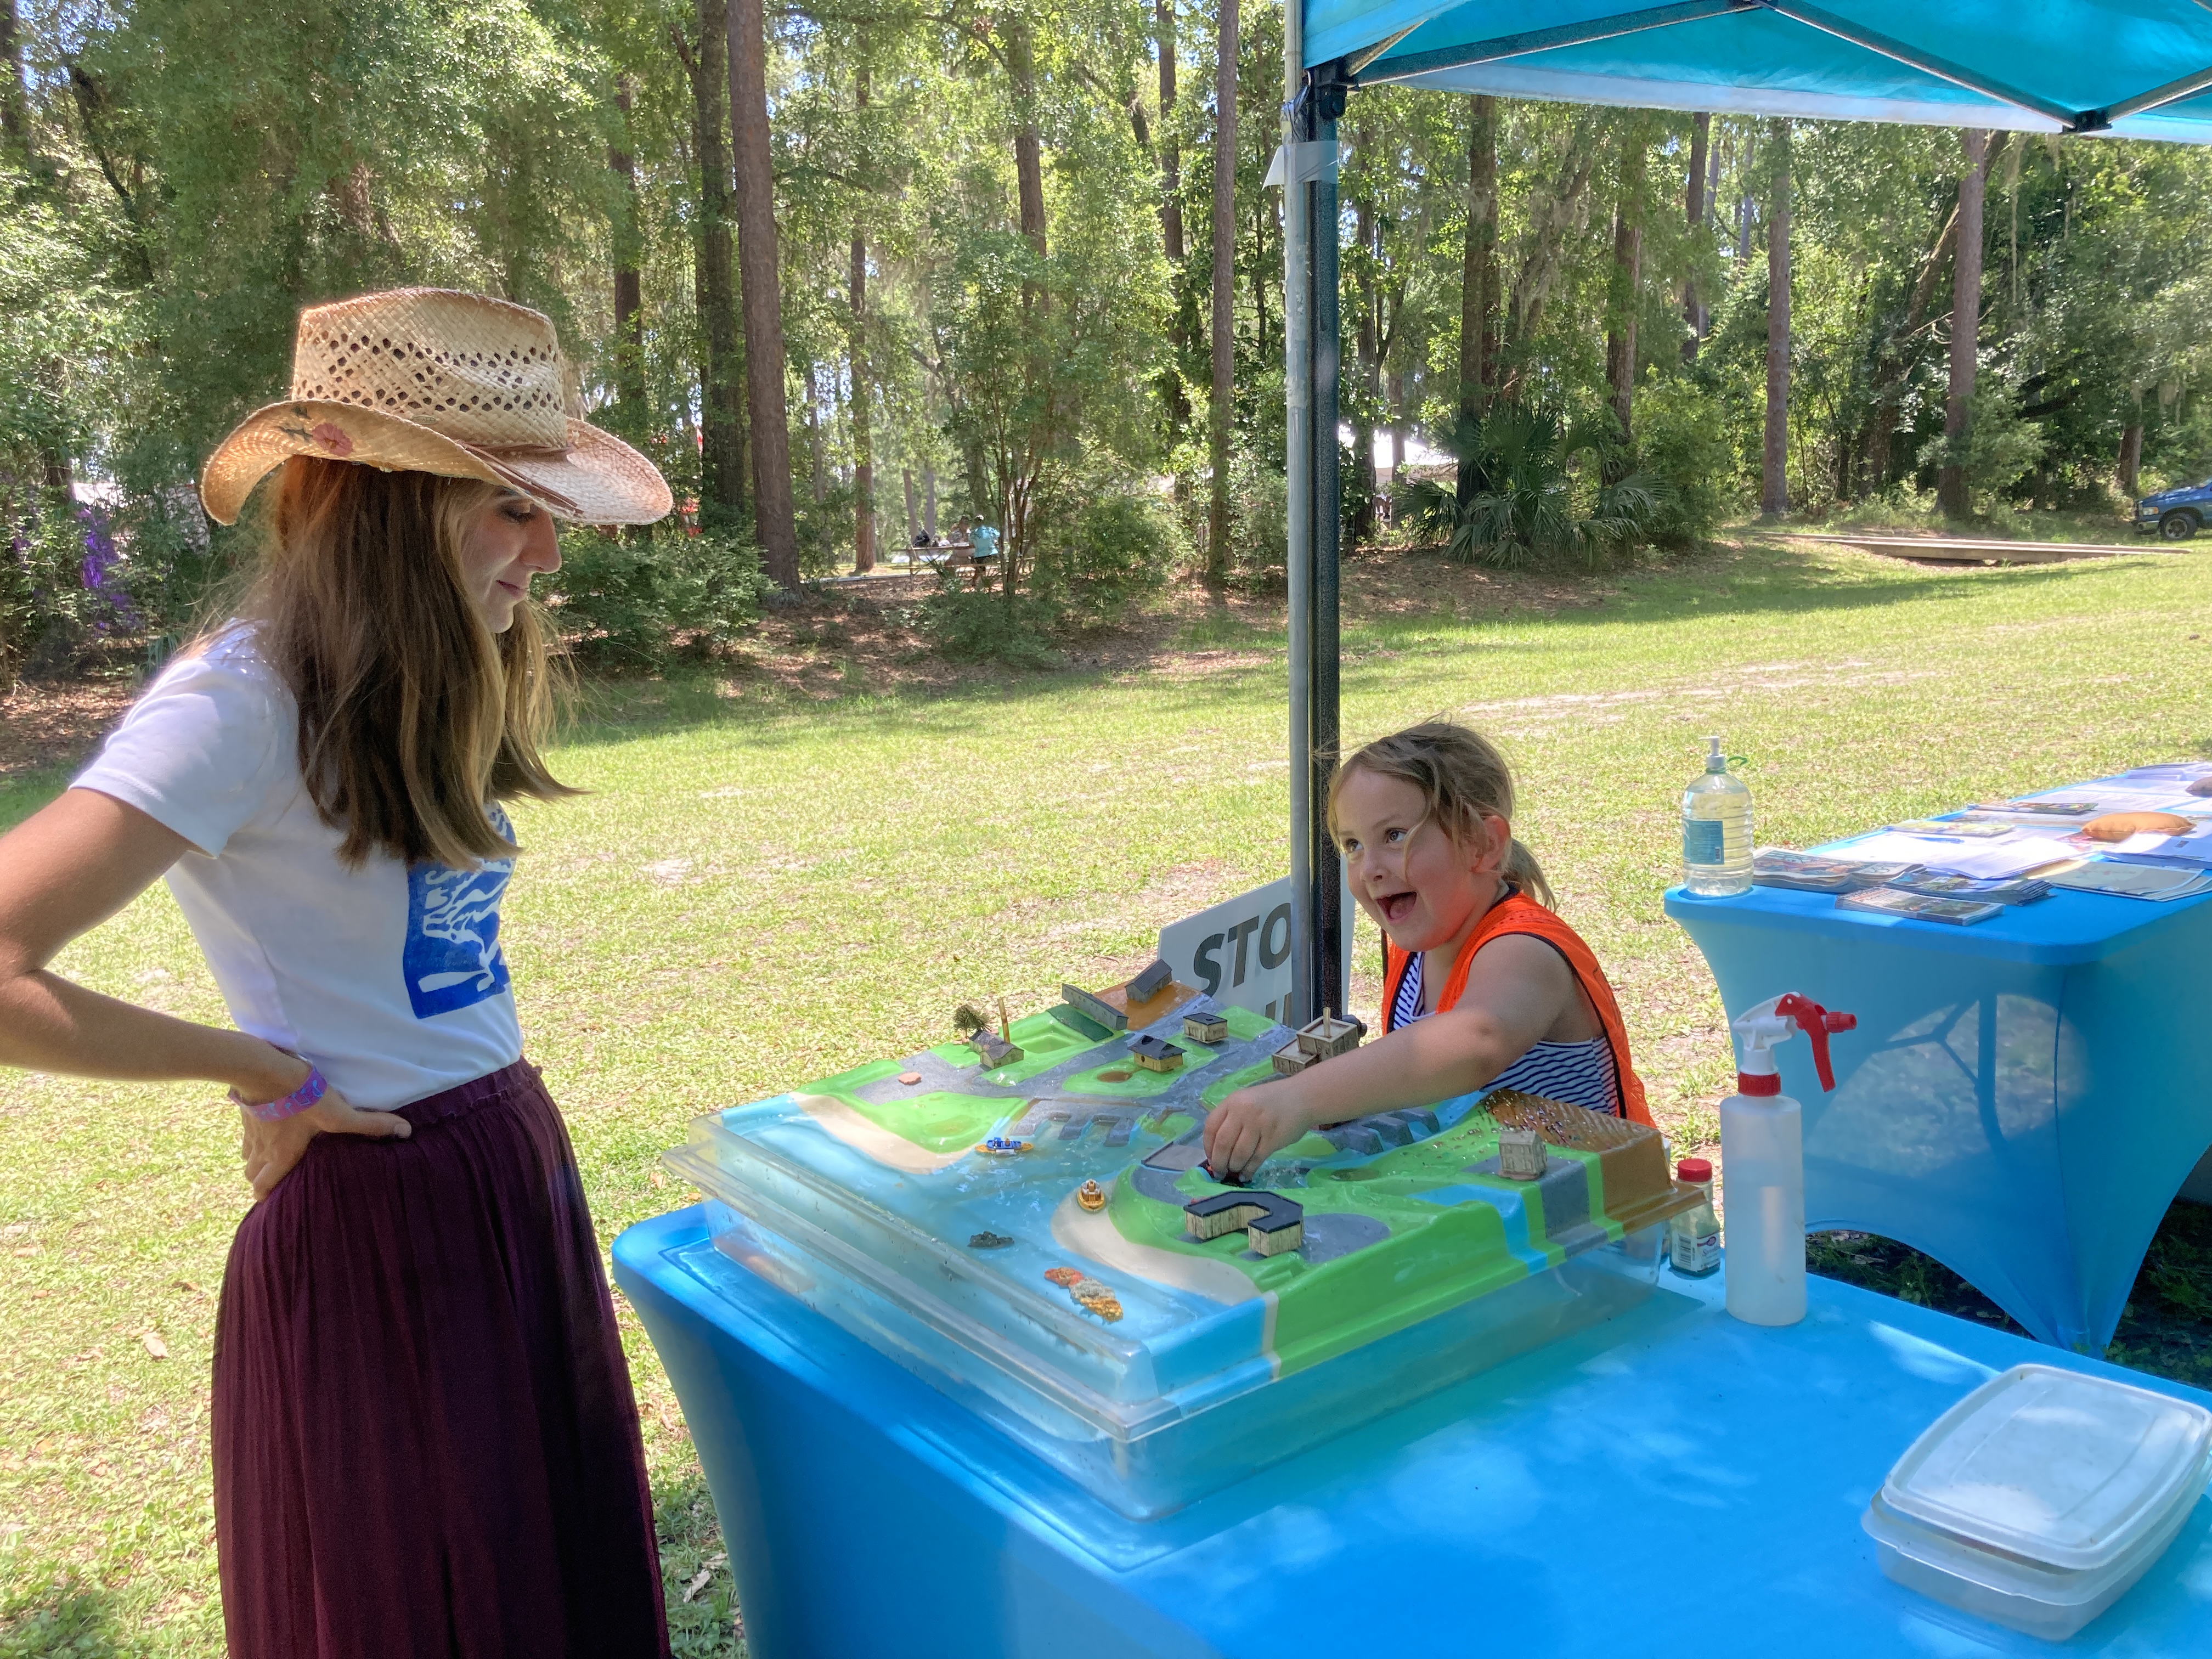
{"type": "Point", "coordinates": [413, 716]}
{"type": "Point", "coordinates": [1463, 778]}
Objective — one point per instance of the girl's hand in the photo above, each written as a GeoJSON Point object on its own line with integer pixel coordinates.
{"type": "Point", "coordinates": [269, 1150]}
{"type": "Point", "coordinates": [1249, 1126]}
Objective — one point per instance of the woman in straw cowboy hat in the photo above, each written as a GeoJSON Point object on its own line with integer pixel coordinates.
{"type": "Point", "coordinates": [424, 1437]}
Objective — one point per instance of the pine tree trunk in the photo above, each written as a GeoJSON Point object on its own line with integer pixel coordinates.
{"type": "Point", "coordinates": [1774, 482]}
{"type": "Point", "coordinates": [15, 119]}
{"type": "Point", "coordinates": [1478, 276]}
{"type": "Point", "coordinates": [773, 522]}
{"type": "Point", "coordinates": [1626, 278]}
{"type": "Point", "coordinates": [1029, 144]}
{"type": "Point", "coordinates": [1221, 409]}
{"type": "Point", "coordinates": [1747, 191]}
{"type": "Point", "coordinates": [1953, 493]}
{"type": "Point", "coordinates": [721, 471]}
{"type": "Point", "coordinates": [1170, 151]}
{"type": "Point", "coordinates": [2129, 473]}
{"type": "Point", "coordinates": [864, 459]}
{"type": "Point", "coordinates": [1694, 216]}
{"type": "Point", "coordinates": [1183, 328]}
{"type": "Point", "coordinates": [1361, 527]}
{"type": "Point", "coordinates": [906, 474]}
{"type": "Point", "coordinates": [817, 453]}
{"type": "Point", "coordinates": [629, 286]}
{"type": "Point", "coordinates": [929, 499]}
{"type": "Point", "coordinates": [1397, 425]}
{"type": "Point", "coordinates": [864, 456]}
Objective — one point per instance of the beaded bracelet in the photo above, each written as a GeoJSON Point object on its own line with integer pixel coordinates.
{"type": "Point", "coordinates": [276, 1111]}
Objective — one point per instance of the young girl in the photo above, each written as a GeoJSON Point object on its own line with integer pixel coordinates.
{"type": "Point", "coordinates": [1483, 984]}
{"type": "Point", "coordinates": [424, 1439]}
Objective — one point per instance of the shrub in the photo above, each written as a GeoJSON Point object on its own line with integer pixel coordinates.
{"type": "Point", "coordinates": [825, 530]}
{"type": "Point", "coordinates": [1682, 444]}
{"type": "Point", "coordinates": [1259, 522]}
{"type": "Point", "coordinates": [969, 625]}
{"type": "Point", "coordinates": [1998, 448]}
{"type": "Point", "coordinates": [70, 577]}
{"type": "Point", "coordinates": [1119, 546]}
{"type": "Point", "coordinates": [1540, 487]}
{"type": "Point", "coordinates": [637, 601]}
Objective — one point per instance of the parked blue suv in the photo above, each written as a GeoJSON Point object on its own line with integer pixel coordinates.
{"type": "Point", "coordinates": [2178, 514]}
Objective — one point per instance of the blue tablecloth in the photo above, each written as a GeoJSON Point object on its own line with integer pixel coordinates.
{"type": "Point", "coordinates": [2023, 1097]}
{"type": "Point", "coordinates": [1673, 1483]}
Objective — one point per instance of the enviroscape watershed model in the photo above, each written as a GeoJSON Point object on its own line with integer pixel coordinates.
{"type": "Point", "coordinates": [1040, 1237]}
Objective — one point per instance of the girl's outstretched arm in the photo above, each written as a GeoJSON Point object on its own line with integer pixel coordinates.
{"type": "Point", "coordinates": [1516, 990]}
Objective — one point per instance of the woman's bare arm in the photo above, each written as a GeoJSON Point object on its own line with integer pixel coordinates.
{"type": "Point", "coordinates": [64, 871]}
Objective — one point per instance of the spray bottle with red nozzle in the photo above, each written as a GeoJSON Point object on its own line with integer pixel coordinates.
{"type": "Point", "coordinates": [1763, 1161]}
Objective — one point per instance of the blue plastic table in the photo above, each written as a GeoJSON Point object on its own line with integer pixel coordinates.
{"type": "Point", "coordinates": [2022, 1098]}
{"type": "Point", "coordinates": [1671, 1484]}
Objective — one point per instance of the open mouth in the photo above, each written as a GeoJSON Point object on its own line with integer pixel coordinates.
{"type": "Point", "coordinates": [1396, 907]}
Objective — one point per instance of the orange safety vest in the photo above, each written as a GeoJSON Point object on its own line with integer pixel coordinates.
{"type": "Point", "coordinates": [1518, 914]}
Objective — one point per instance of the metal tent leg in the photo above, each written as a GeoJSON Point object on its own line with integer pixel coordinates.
{"type": "Point", "coordinates": [1312, 362]}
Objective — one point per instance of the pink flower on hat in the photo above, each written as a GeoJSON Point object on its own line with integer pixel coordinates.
{"type": "Point", "coordinates": [333, 437]}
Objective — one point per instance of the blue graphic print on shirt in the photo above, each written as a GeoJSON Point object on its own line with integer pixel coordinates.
{"type": "Point", "coordinates": [452, 957]}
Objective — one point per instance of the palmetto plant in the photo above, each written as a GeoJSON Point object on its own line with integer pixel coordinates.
{"type": "Point", "coordinates": [1538, 486]}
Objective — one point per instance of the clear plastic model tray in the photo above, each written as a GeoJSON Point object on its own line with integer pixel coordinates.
{"type": "Point", "coordinates": [948, 1221]}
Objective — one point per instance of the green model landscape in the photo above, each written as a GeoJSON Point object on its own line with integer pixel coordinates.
{"type": "Point", "coordinates": [1400, 1220]}
{"type": "Point", "coordinates": [1437, 1255]}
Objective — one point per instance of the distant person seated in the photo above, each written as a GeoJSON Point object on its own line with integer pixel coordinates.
{"type": "Point", "coordinates": [1483, 985]}
{"type": "Point", "coordinates": [922, 539]}
{"type": "Point", "coordinates": [986, 540]}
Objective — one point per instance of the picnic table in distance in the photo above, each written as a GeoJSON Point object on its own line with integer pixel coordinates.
{"type": "Point", "coordinates": [958, 554]}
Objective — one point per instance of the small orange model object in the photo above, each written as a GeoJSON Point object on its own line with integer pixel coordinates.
{"type": "Point", "coordinates": [2118, 826]}
{"type": "Point", "coordinates": [1066, 1278]}
{"type": "Point", "coordinates": [1091, 1195]}
{"type": "Point", "coordinates": [1094, 1298]}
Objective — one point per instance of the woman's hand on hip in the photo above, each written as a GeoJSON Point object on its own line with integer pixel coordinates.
{"type": "Point", "coordinates": [269, 1150]}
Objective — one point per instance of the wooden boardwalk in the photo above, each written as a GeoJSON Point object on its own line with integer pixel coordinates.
{"type": "Point", "coordinates": [1967, 549]}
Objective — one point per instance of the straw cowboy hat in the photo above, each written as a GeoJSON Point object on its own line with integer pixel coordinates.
{"type": "Point", "coordinates": [426, 379]}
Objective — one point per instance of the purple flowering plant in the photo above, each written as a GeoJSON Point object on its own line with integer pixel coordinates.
{"type": "Point", "coordinates": [101, 573]}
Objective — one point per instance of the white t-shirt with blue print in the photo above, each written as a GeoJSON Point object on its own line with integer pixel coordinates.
{"type": "Point", "coordinates": [388, 977]}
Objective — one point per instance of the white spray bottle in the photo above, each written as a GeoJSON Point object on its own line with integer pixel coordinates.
{"type": "Point", "coordinates": [1763, 1162]}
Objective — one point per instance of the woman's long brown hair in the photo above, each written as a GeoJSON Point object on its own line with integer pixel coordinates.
{"type": "Point", "coordinates": [413, 716]}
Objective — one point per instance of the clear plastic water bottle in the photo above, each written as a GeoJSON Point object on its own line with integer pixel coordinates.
{"type": "Point", "coordinates": [1716, 830]}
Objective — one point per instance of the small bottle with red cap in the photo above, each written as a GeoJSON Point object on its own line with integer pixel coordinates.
{"type": "Point", "coordinates": [1693, 1238]}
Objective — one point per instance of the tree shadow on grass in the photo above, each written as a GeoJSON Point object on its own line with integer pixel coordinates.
{"type": "Point", "coordinates": [1771, 581]}
{"type": "Point", "coordinates": [61, 1619]}
{"type": "Point", "coordinates": [1760, 579]}
{"type": "Point", "coordinates": [2166, 1328]}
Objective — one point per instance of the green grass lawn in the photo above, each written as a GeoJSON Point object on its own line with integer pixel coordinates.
{"type": "Point", "coordinates": [765, 887]}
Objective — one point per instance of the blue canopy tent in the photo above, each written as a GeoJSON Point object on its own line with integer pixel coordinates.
{"type": "Point", "coordinates": [2137, 69]}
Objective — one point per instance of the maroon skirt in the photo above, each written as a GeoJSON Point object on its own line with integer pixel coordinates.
{"type": "Point", "coordinates": [425, 1441]}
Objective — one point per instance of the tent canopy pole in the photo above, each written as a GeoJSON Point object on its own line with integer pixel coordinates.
{"type": "Point", "coordinates": [1311, 371]}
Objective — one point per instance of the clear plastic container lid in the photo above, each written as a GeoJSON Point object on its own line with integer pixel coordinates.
{"type": "Point", "coordinates": [2058, 1468]}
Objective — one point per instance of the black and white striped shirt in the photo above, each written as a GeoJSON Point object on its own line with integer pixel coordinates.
{"type": "Point", "coordinates": [1580, 1073]}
